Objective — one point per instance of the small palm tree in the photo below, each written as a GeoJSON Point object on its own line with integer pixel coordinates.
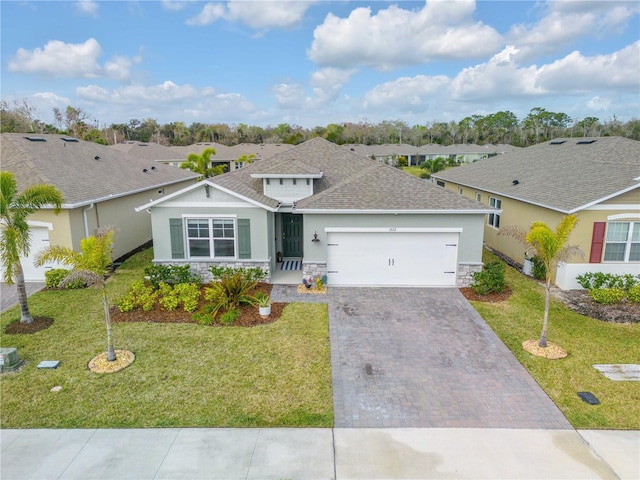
{"type": "Point", "coordinates": [90, 264]}
{"type": "Point", "coordinates": [434, 165]}
{"type": "Point", "coordinates": [550, 248]}
{"type": "Point", "coordinates": [200, 164]}
{"type": "Point", "coordinates": [15, 235]}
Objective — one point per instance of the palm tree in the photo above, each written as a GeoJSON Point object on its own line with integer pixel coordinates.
{"type": "Point", "coordinates": [550, 248]}
{"type": "Point", "coordinates": [15, 236]}
{"type": "Point", "coordinates": [90, 264]}
{"type": "Point", "coordinates": [434, 165]}
{"type": "Point", "coordinates": [200, 164]}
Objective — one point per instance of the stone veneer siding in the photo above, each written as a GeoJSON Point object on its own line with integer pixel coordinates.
{"type": "Point", "coordinates": [202, 268]}
{"type": "Point", "coordinates": [464, 277]}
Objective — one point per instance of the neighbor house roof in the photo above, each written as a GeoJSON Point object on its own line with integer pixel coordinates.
{"type": "Point", "coordinates": [349, 182]}
{"type": "Point", "coordinates": [84, 172]}
{"type": "Point", "coordinates": [149, 151]}
{"type": "Point", "coordinates": [566, 174]}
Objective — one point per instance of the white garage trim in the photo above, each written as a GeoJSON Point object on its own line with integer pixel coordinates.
{"type": "Point", "coordinates": [34, 223]}
{"type": "Point", "coordinates": [392, 229]}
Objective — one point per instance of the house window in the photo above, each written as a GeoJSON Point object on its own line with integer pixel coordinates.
{"type": "Point", "coordinates": [211, 237]}
{"type": "Point", "coordinates": [460, 190]}
{"type": "Point", "coordinates": [294, 181]}
{"type": "Point", "coordinates": [439, 183]}
{"type": "Point", "coordinates": [478, 197]}
{"type": "Point", "coordinates": [494, 218]}
{"type": "Point", "coordinates": [622, 242]}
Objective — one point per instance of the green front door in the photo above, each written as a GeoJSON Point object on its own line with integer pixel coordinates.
{"type": "Point", "coordinates": [291, 235]}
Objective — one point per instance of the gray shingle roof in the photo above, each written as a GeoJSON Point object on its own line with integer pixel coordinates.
{"type": "Point", "coordinates": [563, 176]}
{"type": "Point", "coordinates": [72, 167]}
{"type": "Point", "coordinates": [349, 182]}
{"type": "Point", "coordinates": [149, 151]}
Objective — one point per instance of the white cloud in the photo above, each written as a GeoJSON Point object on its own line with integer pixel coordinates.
{"type": "Point", "coordinates": [406, 93]}
{"type": "Point", "coordinates": [88, 7]}
{"type": "Point", "coordinates": [575, 74]}
{"type": "Point", "coordinates": [327, 84]}
{"type": "Point", "coordinates": [258, 15]}
{"type": "Point", "coordinates": [71, 60]}
{"type": "Point", "coordinates": [397, 37]}
{"type": "Point", "coordinates": [289, 96]}
{"type": "Point", "coordinates": [167, 92]}
{"type": "Point", "coordinates": [209, 14]}
{"type": "Point", "coordinates": [563, 22]}
{"type": "Point", "coordinates": [599, 104]}
{"type": "Point", "coordinates": [173, 6]}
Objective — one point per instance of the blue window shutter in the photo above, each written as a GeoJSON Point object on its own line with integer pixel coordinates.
{"type": "Point", "coordinates": [244, 238]}
{"type": "Point", "coordinates": [177, 238]}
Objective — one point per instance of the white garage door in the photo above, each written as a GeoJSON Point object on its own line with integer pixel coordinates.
{"type": "Point", "coordinates": [392, 256]}
{"type": "Point", "coordinates": [39, 240]}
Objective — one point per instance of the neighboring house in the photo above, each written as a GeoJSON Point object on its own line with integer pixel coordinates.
{"type": "Point", "coordinates": [598, 179]}
{"type": "Point", "coordinates": [343, 215]}
{"type": "Point", "coordinates": [228, 156]}
{"type": "Point", "coordinates": [101, 186]}
{"type": "Point", "coordinates": [151, 151]}
{"type": "Point", "coordinates": [458, 153]}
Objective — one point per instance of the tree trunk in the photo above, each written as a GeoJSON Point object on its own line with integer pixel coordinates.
{"type": "Point", "coordinates": [543, 337]}
{"type": "Point", "coordinates": [25, 316]}
{"type": "Point", "coordinates": [111, 353]}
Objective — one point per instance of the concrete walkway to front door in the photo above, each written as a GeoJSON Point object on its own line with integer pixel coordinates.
{"type": "Point", "coordinates": [423, 357]}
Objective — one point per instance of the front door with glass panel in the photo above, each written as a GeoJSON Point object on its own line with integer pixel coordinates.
{"type": "Point", "coordinates": [291, 235]}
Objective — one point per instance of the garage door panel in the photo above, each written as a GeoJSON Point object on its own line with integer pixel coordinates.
{"type": "Point", "coordinates": [392, 258]}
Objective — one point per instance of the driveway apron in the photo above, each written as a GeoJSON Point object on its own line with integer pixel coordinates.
{"type": "Point", "coordinates": [413, 357]}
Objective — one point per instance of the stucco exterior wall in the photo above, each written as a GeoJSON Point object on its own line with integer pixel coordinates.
{"type": "Point", "coordinates": [260, 220]}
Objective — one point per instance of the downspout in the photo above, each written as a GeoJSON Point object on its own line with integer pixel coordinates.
{"type": "Point", "coordinates": [86, 221]}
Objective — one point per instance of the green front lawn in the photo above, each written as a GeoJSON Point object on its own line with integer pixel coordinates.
{"type": "Point", "coordinates": [184, 375]}
{"type": "Point", "coordinates": [587, 341]}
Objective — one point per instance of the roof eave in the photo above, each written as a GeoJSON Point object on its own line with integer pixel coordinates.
{"type": "Point", "coordinates": [397, 212]}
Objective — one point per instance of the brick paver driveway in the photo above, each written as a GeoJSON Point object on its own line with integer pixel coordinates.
{"type": "Point", "coordinates": [408, 357]}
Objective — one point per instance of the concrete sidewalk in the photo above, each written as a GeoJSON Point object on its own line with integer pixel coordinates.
{"type": "Point", "coordinates": [318, 454]}
{"type": "Point", "coordinates": [9, 293]}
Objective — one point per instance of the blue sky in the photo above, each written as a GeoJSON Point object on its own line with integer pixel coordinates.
{"type": "Point", "coordinates": [313, 63]}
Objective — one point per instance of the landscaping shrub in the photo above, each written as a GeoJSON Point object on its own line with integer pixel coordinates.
{"type": "Point", "coordinates": [54, 277]}
{"type": "Point", "coordinates": [634, 294]}
{"type": "Point", "coordinates": [254, 274]}
{"type": "Point", "coordinates": [139, 296]}
{"type": "Point", "coordinates": [232, 289]}
{"type": "Point", "coordinates": [607, 296]}
{"type": "Point", "coordinates": [539, 271]}
{"type": "Point", "coordinates": [490, 279]}
{"type": "Point", "coordinates": [425, 175]}
{"type": "Point", "coordinates": [189, 295]}
{"type": "Point", "coordinates": [229, 317]}
{"type": "Point", "coordinates": [171, 274]}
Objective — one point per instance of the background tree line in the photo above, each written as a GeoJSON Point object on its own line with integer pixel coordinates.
{"type": "Point", "coordinates": [501, 127]}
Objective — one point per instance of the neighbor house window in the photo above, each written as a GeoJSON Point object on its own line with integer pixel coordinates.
{"type": "Point", "coordinates": [211, 237]}
{"type": "Point", "coordinates": [478, 197]}
{"type": "Point", "coordinates": [460, 190]}
{"type": "Point", "coordinates": [494, 218]}
{"type": "Point", "coordinates": [622, 242]}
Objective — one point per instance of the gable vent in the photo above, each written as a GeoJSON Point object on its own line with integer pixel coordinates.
{"type": "Point", "coordinates": [69, 139]}
{"type": "Point", "coordinates": [36, 139]}
{"type": "Point", "coordinates": [585, 142]}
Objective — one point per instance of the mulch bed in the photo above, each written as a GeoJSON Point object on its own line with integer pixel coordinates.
{"type": "Point", "coordinates": [38, 324]}
{"type": "Point", "coordinates": [470, 295]}
{"type": "Point", "coordinates": [249, 315]}
{"type": "Point", "coordinates": [580, 301]}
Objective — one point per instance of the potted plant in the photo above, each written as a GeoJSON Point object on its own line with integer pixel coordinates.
{"type": "Point", "coordinates": [264, 304]}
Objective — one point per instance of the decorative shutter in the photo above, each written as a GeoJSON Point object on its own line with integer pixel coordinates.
{"type": "Point", "coordinates": [177, 238]}
{"type": "Point", "coordinates": [244, 238]}
{"type": "Point", "coordinates": [597, 242]}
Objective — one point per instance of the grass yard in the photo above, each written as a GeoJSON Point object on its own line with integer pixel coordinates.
{"type": "Point", "coordinates": [588, 341]}
{"type": "Point", "coordinates": [413, 170]}
{"type": "Point", "coordinates": [184, 375]}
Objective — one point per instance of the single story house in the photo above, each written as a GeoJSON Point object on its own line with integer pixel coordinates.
{"type": "Point", "coordinates": [101, 186]}
{"type": "Point", "coordinates": [598, 179]}
{"type": "Point", "coordinates": [329, 211]}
